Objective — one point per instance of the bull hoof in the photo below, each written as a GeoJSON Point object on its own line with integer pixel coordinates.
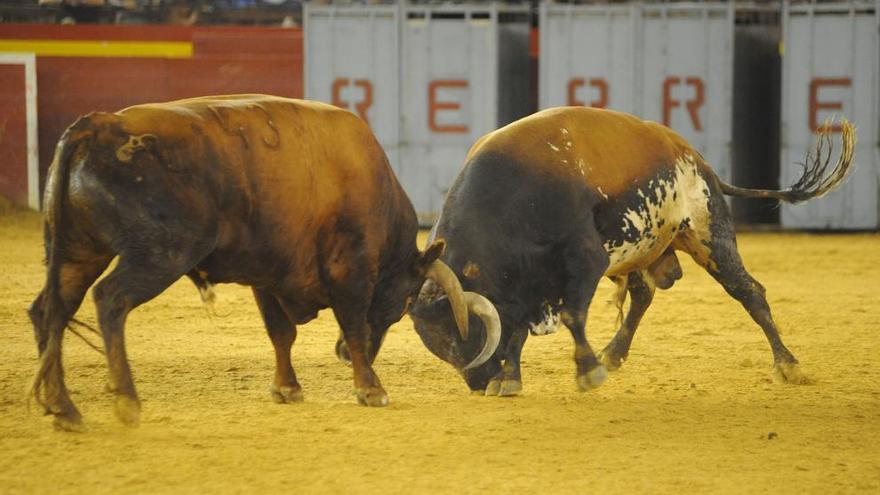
{"type": "Point", "coordinates": [592, 379]}
{"type": "Point", "coordinates": [128, 410]}
{"type": "Point", "coordinates": [784, 372]}
{"type": "Point", "coordinates": [493, 387]}
{"type": "Point", "coordinates": [70, 420]}
{"type": "Point", "coordinates": [372, 397]}
{"type": "Point", "coordinates": [510, 388]}
{"type": "Point", "coordinates": [611, 361]}
{"type": "Point", "coordinates": [286, 394]}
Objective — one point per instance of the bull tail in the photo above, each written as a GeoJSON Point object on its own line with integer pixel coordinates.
{"type": "Point", "coordinates": [55, 314]}
{"type": "Point", "coordinates": [815, 181]}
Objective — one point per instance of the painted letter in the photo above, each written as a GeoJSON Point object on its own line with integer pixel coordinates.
{"type": "Point", "coordinates": [360, 107]}
{"type": "Point", "coordinates": [816, 105]}
{"type": "Point", "coordinates": [693, 106]}
{"type": "Point", "coordinates": [598, 83]}
{"type": "Point", "coordinates": [434, 106]}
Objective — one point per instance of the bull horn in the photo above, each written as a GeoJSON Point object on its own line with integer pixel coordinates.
{"type": "Point", "coordinates": [484, 308]}
{"type": "Point", "coordinates": [445, 277]}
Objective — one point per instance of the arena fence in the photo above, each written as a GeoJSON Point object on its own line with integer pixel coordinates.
{"type": "Point", "coordinates": [831, 68]}
{"type": "Point", "coordinates": [430, 80]}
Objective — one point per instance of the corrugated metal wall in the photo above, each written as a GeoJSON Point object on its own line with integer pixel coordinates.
{"type": "Point", "coordinates": [830, 69]}
{"type": "Point", "coordinates": [671, 63]}
{"type": "Point", "coordinates": [447, 82]}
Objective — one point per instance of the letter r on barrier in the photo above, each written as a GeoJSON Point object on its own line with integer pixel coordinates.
{"type": "Point", "coordinates": [362, 106]}
{"type": "Point", "coordinates": [816, 105]}
{"type": "Point", "coordinates": [596, 82]}
{"type": "Point", "coordinates": [434, 106]}
{"type": "Point", "coordinates": [693, 106]}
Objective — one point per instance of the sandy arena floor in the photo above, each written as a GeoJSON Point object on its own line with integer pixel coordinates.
{"type": "Point", "coordinates": [692, 410]}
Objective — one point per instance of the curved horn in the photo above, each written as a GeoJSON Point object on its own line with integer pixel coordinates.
{"type": "Point", "coordinates": [445, 277]}
{"type": "Point", "coordinates": [484, 308]}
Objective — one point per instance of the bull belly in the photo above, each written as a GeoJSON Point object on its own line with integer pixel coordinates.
{"type": "Point", "coordinates": [635, 255]}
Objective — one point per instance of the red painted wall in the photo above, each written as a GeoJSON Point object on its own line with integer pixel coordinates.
{"type": "Point", "coordinates": [13, 134]}
{"type": "Point", "coordinates": [225, 60]}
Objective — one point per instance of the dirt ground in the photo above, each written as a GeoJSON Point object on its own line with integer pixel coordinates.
{"type": "Point", "coordinates": [693, 410]}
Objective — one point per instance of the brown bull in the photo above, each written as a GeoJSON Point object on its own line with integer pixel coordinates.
{"type": "Point", "coordinates": [548, 205]}
{"type": "Point", "coordinates": [295, 199]}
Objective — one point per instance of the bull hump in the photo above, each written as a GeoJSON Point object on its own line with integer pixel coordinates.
{"type": "Point", "coordinates": [609, 151]}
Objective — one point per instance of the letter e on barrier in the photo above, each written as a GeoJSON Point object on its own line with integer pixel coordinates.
{"type": "Point", "coordinates": [816, 105]}
{"type": "Point", "coordinates": [434, 106]}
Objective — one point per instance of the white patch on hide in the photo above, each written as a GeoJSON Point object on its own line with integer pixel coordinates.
{"type": "Point", "coordinates": [548, 325]}
{"type": "Point", "coordinates": [682, 197]}
{"type": "Point", "coordinates": [580, 164]}
{"type": "Point", "coordinates": [552, 146]}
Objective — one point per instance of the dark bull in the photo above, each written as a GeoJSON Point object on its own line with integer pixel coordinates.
{"type": "Point", "coordinates": [548, 205]}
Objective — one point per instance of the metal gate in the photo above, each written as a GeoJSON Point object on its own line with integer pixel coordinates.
{"type": "Point", "coordinates": [671, 63]}
{"type": "Point", "coordinates": [831, 68]}
{"type": "Point", "coordinates": [352, 60]}
{"type": "Point", "coordinates": [430, 80]}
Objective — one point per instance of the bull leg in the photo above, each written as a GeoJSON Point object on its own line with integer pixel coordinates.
{"type": "Point", "coordinates": [376, 339]}
{"type": "Point", "coordinates": [356, 331]}
{"type": "Point", "coordinates": [641, 294]}
{"type": "Point", "coordinates": [127, 287]}
{"type": "Point", "coordinates": [49, 320]}
{"type": "Point", "coordinates": [282, 333]}
{"type": "Point", "coordinates": [719, 256]}
{"type": "Point", "coordinates": [585, 263]}
{"type": "Point", "coordinates": [508, 381]}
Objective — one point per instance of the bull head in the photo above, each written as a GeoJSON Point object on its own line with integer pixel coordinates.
{"type": "Point", "coordinates": [441, 307]}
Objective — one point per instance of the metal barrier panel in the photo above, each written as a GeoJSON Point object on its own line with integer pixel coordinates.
{"type": "Point", "coordinates": [671, 63]}
{"type": "Point", "coordinates": [352, 61]}
{"type": "Point", "coordinates": [435, 78]}
{"type": "Point", "coordinates": [830, 69]}
{"type": "Point", "coordinates": [449, 95]}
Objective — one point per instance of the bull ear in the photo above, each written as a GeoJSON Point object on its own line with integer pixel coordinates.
{"type": "Point", "coordinates": [430, 255]}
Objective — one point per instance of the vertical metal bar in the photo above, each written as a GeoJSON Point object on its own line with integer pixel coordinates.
{"type": "Point", "coordinates": [306, 15]}
{"type": "Point", "coordinates": [849, 201]}
{"type": "Point", "coordinates": [665, 52]}
{"type": "Point", "coordinates": [333, 65]}
{"type": "Point", "coordinates": [609, 51]}
{"type": "Point", "coordinates": [876, 95]}
{"type": "Point", "coordinates": [730, 59]}
{"type": "Point", "coordinates": [636, 38]}
{"type": "Point", "coordinates": [786, 91]}
{"type": "Point", "coordinates": [32, 145]}
{"type": "Point", "coordinates": [707, 47]}
{"type": "Point", "coordinates": [543, 76]}
{"type": "Point", "coordinates": [399, 20]}
{"type": "Point", "coordinates": [811, 44]}
{"type": "Point", "coordinates": [570, 45]}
